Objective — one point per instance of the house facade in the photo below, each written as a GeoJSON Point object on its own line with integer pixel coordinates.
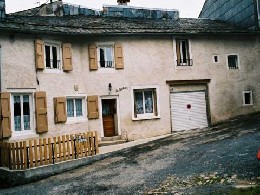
{"type": "Point", "coordinates": [128, 77]}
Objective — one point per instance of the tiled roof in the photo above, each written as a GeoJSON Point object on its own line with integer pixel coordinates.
{"type": "Point", "coordinates": [98, 25]}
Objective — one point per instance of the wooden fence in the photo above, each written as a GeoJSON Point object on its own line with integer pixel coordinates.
{"type": "Point", "coordinates": [33, 153]}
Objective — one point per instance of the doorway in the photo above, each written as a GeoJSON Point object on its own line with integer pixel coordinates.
{"type": "Point", "coordinates": [109, 117]}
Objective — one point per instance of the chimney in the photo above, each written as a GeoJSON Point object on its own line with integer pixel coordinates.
{"type": "Point", "coordinates": [2, 9]}
{"type": "Point", "coordinates": [122, 2]}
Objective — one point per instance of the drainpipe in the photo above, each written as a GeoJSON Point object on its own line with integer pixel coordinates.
{"type": "Point", "coordinates": [2, 9]}
{"type": "Point", "coordinates": [0, 69]}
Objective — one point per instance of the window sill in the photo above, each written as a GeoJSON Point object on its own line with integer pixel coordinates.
{"type": "Point", "coordinates": [75, 121]}
{"type": "Point", "coordinates": [183, 67]}
{"type": "Point", "coordinates": [248, 105]}
{"type": "Point", "coordinates": [106, 70]}
{"type": "Point", "coordinates": [23, 135]}
{"type": "Point", "coordinates": [52, 71]}
{"type": "Point", "coordinates": [146, 118]}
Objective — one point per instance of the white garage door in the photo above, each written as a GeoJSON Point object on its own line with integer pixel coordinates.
{"type": "Point", "coordinates": [188, 111]}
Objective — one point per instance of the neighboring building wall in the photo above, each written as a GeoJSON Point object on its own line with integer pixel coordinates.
{"type": "Point", "coordinates": [242, 13]}
{"type": "Point", "coordinates": [148, 61]}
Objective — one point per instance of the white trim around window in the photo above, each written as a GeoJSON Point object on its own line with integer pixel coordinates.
{"type": "Point", "coordinates": [216, 58]}
{"type": "Point", "coordinates": [23, 129]}
{"type": "Point", "coordinates": [247, 98]}
{"type": "Point", "coordinates": [55, 65]}
{"type": "Point", "coordinates": [76, 109]}
{"type": "Point", "coordinates": [145, 114]}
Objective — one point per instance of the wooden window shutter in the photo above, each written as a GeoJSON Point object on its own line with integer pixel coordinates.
{"type": "Point", "coordinates": [155, 102]}
{"type": "Point", "coordinates": [119, 58]}
{"type": "Point", "coordinates": [41, 112]}
{"type": "Point", "coordinates": [39, 54]}
{"type": "Point", "coordinates": [178, 52]}
{"type": "Point", "coordinates": [93, 112]}
{"type": "Point", "coordinates": [67, 57]}
{"type": "Point", "coordinates": [60, 112]}
{"type": "Point", "coordinates": [92, 52]}
{"type": "Point", "coordinates": [6, 131]}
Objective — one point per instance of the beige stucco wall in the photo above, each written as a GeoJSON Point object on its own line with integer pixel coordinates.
{"type": "Point", "coordinates": [148, 61]}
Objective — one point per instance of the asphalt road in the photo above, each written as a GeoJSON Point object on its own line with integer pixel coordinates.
{"type": "Point", "coordinates": [208, 161]}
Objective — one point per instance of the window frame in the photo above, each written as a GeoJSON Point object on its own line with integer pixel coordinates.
{"type": "Point", "coordinates": [145, 116]}
{"type": "Point", "coordinates": [32, 117]}
{"type": "Point", "coordinates": [189, 44]}
{"type": "Point", "coordinates": [59, 56]}
{"type": "Point", "coordinates": [238, 61]}
{"type": "Point", "coordinates": [213, 58]}
{"type": "Point", "coordinates": [251, 98]}
{"type": "Point", "coordinates": [75, 118]}
{"type": "Point", "coordinates": [105, 45]}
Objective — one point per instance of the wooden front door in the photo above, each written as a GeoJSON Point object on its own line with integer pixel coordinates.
{"type": "Point", "coordinates": [108, 113]}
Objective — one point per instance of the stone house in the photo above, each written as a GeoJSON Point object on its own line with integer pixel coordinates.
{"type": "Point", "coordinates": [124, 71]}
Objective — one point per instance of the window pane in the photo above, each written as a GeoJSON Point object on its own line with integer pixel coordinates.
{"type": "Point", "coordinates": [48, 56]}
{"type": "Point", "coordinates": [109, 57]}
{"type": "Point", "coordinates": [17, 113]}
{"type": "Point", "coordinates": [184, 51]}
{"type": "Point", "coordinates": [54, 58]}
{"type": "Point", "coordinates": [26, 112]}
{"type": "Point", "coordinates": [78, 103]}
{"type": "Point", "coordinates": [139, 102]}
{"type": "Point", "coordinates": [102, 57]}
{"type": "Point", "coordinates": [148, 95]}
{"type": "Point", "coordinates": [232, 61]}
{"type": "Point", "coordinates": [70, 108]}
{"type": "Point", "coordinates": [247, 98]}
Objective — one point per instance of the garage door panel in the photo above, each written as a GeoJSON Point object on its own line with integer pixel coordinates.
{"type": "Point", "coordinates": [184, 118]}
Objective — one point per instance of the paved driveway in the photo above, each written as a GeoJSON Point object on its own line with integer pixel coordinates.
{"type": "Point", "coordinates": [212, 160]}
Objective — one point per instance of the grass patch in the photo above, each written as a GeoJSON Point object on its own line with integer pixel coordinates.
{"type": "Point", "coordinates": [247, 191]}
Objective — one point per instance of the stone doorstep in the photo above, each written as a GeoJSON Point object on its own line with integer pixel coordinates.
{"type": "Point", "coordinates": [108, 141]}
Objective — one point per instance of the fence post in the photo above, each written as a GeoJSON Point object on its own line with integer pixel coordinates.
{"type": "Point", "coordinates": [27, 154]}
{"type": "Point", "coordinates": [9, 156]}
{"type": "Point", "coordinates": [52, 149]}
{"type": "Point", "coordinates": [1, 147]}
{"type": "Point", "coordinates": [75, 149]}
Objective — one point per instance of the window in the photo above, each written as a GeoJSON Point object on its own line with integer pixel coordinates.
{"type": "Point", "coordinates": [215, 58]}
{"type": "Point", "coordinates": [145, 103]}
{"type": "Point", "coordinates": [183, 53]}
{"type": "Point", "coordinates": [232, 61]}
{"type": "Point", "coordinates": [75, 108]}
{"type": "Point", "coordinates": [22, 112]}
{"type": "Point", "coordinates": [106, 56]}
{"type": "Point", "coordinates": [52, 56]}
{"type": "Point", "coordinates": [247, 98]}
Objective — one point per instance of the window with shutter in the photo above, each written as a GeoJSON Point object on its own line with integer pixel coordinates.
{"type": "Point", "coordinates": [67, 57]}
{"type": "Point", "coordinates": [119, 59]}
{"type": "Point", "coordinates": [60, 113]}
{"type": "Point", "coordinates": [6, 115]}
{"type": "Point", "coordinates": [92, 52]}
{"type": "Point", "coordinates": [39, 54]}
{"type": "Point", "coordinates": [41, 112]}
{"type": "Point", "coordinates": [93, 112]}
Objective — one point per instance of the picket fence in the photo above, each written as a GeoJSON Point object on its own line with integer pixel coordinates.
{"type": "Point", "coordinates": [34, 153]}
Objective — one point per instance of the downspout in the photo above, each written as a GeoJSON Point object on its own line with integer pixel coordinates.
{"type": "Point", "coordinates": [0, 68]}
